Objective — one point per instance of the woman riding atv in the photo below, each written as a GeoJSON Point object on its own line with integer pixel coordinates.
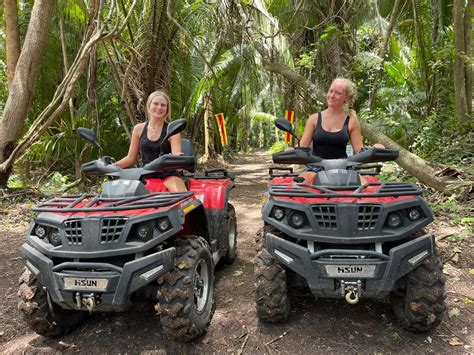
{"type": "Point", "coordinates": [330, 130]}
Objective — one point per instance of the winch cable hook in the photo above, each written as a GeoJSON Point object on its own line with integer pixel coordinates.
{"type": "Point", "coordinates": [352, 297]}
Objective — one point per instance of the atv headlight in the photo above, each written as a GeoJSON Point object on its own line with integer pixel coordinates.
{"type": "Point", "coordinates": [278, 213]}
{"type": "Point", "coordinates": [163, 224]}
{"type": "Point", "coordinates": [394, 220]}
{"type": "Point", "coordinates": [40, 231]}
{"type": "Point", "coordinates": [297, 219]}
{"type": "Point", "coordinates": [54, 237]}
{"type": "Point", "coordinates": [414, 214]}
{"type": "Point", "coordinates": [144, 231]}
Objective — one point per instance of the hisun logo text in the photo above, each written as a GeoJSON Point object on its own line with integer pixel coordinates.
{"type": "Point", "coordinates": [349, 269]}
{"type": "Point", "coordinates": [85, 283]}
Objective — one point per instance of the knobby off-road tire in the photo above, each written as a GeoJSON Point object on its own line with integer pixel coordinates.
{"type": "Point", "coordinates": [231, 232]}
{"type": "Point", "coordinates": [186, 294]}
{"type": "Point", "coordinates": [41, 314]}
{"type": "Point", "coordinates": [419, 305]}
{"type": "Point", "coordinates": [271, 294]}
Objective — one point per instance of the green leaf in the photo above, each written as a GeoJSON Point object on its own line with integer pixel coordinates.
{"type": "Point", "coordinates": [456, 250]}
{"type": "Point", "coordinates": [467, 220]}
{"type": "Point", "coordinates": [471, 271]}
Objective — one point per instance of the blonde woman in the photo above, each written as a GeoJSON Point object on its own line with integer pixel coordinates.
{"type": "Point", "coordinates": [329, 131]}
{"type": "Point", "coordinates": [148, 136]}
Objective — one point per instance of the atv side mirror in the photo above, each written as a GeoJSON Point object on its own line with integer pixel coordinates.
{"type": "Point", "coordinates": [89, 135]}
{"type": "Point", "coordinates": [175, 127]}
{"type": "Point", "coordinates": [285, 126]}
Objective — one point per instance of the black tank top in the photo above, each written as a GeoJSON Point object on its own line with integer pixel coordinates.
{"type": "Point", "coordinates": [330, 145]}
{"type": "Point", "coordinates": [150, 150]}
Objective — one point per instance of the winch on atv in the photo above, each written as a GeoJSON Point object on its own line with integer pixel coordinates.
{"type": "Point", "coordinates": [347, 235]}
{"type": "Point", "coordinates": [134, 241]}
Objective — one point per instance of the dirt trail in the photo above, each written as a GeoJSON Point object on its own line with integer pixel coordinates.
{"type": "Point", "coordinates": [314, 326]}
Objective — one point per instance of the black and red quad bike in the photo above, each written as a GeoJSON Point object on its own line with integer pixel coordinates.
{"type": "Point", "coordinates": [133, 242]}
{"type": "Point", "coordinates": [347, 235]}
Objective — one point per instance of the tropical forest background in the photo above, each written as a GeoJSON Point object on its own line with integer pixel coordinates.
{"type": "Point", "coordinates": [71, 63]}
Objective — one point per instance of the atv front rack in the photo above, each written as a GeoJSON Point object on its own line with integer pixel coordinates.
{"type": "Point", "coordinates": [284, 171]}
{"type": "Point", "coordinates": [385, 189]}
{"type": "Point", "coordinates": [93, 203]}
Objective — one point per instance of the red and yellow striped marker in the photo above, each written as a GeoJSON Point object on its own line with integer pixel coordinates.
{"type": "Point", "coordinates": [221, 125]}
{"type": "Point", "coordinates": [290, 116]}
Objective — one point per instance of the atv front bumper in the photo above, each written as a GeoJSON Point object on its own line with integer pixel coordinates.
{"type": "Point", "coordinates": [327, 271]}
{"type": "Point", "coordinates": [96, 286]}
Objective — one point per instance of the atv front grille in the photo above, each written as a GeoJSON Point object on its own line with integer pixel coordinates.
{"type": "Point", "coordinates": [325, 216]}
{"type": "Point", "coordinates": [73, 231]}
{"type": "Point", "coordinates": [367, 217]}
{"type": "Point", "coordinates": [111, 229]}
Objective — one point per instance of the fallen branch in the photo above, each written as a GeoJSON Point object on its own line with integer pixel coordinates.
{"type": "Point", "coordinates": [73, 184]}
{"type": "Point", "coordinates": [277, 338]}
{"type": "Point", "coordinates": [268, 349]}
{"type": "Point", "coordinates": [456, 334]}
{"type": "Point", "coordinates": [243, 345]}
{"type": "Point", "coordinates": [460, 295]}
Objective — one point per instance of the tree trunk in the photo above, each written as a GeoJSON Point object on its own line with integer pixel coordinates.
{"type": "Point", "coordinates": [21, 91]}
{"type": "Point", "coordinates": [460, 65]}
{"type": "Point", "coordinates": [206, 127]}
{"type": "Point", "coordinates": [468, 61]}
{"type": "Point", "coordinates": [416, 166]}
{"type": "Point", "coordinates": [383, 51]}
{"type": "Point", "coordinates": [77, 161]}
{"type": "Point", "coordinates": [12, 37]}
{"type": "Point", "coordinates": [421, 52]}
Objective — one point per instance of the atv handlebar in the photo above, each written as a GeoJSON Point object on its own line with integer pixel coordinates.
{"type": "Point", "coordinates": [374, 155]}
{"type": "Point", "coordinates": [296, 156]}
{"type": "Point", "coordinates": [305, 156]}
{"type": "Point", "coordinates": [99, 167]}
{"type": "Point", "coordinates": [167, 162]}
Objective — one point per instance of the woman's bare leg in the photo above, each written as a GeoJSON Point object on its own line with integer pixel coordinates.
{"type": "Point", "coordinates": [175, 184]}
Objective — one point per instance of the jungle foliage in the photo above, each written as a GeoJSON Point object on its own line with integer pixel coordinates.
{"type": "Point", "coordinates": [243, 58]}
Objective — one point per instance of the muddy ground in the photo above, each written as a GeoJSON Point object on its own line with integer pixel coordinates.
{"type": "Point", "coordinates": [314, 326]}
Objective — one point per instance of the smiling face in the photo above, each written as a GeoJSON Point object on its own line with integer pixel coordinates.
{"type": "Point", "coordinates": [337, 95]}
{"type": "Point", "coordinates": [158, 107]}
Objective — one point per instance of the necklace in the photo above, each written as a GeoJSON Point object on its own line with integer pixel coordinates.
{"type": "Point", "coordinates": [153, 128]}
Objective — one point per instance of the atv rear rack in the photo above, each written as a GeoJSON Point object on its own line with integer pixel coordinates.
{"type": "Point", "coordinates": [211, 174]}
{"type": "Point", "coordinates": [68, 203]}
{"type": "Point", "coordinates": [385, 189]}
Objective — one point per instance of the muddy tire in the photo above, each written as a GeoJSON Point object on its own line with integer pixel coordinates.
{"type": "Point", "coordinates": [186, 302]}
{"type": "Point", "coordinates": [41, 314]}
{"type": "Point", "coordinates": [271, 294]}
{"type": "Point", "coordinates": [419, 304]}
{"type": "Point", "coordinates": [231, 232]}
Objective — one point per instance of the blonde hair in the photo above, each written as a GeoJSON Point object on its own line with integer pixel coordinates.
{"type": "Point", "coordinates": [150, 99]}
{"type": "Point", "coordinates": [351, 93]}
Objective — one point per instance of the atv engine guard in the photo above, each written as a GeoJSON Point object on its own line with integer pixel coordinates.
{"type": "Point", "coordinates": [325, 270]}
{"type": "Point", "coordinates": [69, 283]}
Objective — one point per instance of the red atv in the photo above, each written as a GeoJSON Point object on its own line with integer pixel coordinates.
{"type": "Point", "coordinates": [134, 241]}
{"type": "Point", "coordinates": [348, 236]}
